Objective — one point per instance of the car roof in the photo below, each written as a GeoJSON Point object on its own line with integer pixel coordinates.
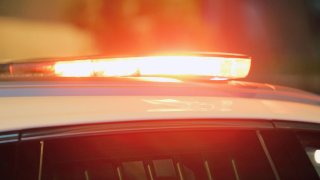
{"type": "Point", "coordinates": [71, 101]}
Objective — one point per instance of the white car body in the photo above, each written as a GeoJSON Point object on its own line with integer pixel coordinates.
{"type": "Point", "coordinates": [36, 105]}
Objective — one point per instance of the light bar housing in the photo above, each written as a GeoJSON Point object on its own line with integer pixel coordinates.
{"type": "Point", "coordinates": [209, 66]}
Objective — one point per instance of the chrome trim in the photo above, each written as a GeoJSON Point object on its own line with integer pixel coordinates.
{"type": "Point", "coordinates": [207, 167]}
{"type": "Point", "coordinates": [41, 160]}
{"type": "Point", "coordinates": [267, 153]}
{"type": "Point", "coordinates": [142, 126]}
{"type": "Point", "coordinates": [179, 168]}
{"type": "Point", "coordinates": [150, 172]}
{"type": "Point", "coordinates": [119, 172]}
{"type": "Point", "coordinates": [235, 170]}
{"type": "Point", "coordinates": [9, 137]}
{"type": "Point", "coordinates": [86, 175]}
{"type": "Point", "coordinates": [297, 125]}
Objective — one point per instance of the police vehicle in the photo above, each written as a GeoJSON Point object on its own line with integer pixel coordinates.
{"type": "Point", "coordinates": [166, 117]}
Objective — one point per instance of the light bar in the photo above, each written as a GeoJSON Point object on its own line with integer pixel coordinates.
{"type": "Point", "coordinates": [156, 66]}
{"type": "Point", "coordinates": [212, 67]}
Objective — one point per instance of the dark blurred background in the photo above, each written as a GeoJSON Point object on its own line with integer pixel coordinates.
{"type": "Point", "coordinates": [282, 36]}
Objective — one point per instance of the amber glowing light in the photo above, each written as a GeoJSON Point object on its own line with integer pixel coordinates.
{"type": "Point", "coordinates": [157, 66]}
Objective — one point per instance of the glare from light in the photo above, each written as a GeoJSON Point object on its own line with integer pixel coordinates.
{"type": "Point", "coordinates": [218, 67]}
{"type": "Point", "coordinates": [74, 68]}
{"type": "Point", "coordinates": [218, 78]}
{"type": "Point", "coordinates": [317, 156]}
{"type": "Point", "coordinates": [160, 79]}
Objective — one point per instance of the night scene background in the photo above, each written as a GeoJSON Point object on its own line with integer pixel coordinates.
{"type": "Point", "coordinates": [282, 36]}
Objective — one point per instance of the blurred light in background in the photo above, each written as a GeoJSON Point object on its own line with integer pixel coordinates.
{"type": "Point", "coordinates": [317, 156]}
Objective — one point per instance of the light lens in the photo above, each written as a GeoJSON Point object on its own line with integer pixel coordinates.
{"type": "Point", "coordinates": [221, 67]}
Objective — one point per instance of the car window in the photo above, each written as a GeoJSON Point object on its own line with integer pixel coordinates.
{"type": "Point", "coordinates": [288, 155]}
{"type": "Point", "coordinates": [311, 145]}
{"type": "Point", "coordinates": [7, 160]}
{"type": "Point", "coordinates": [195, 155]}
